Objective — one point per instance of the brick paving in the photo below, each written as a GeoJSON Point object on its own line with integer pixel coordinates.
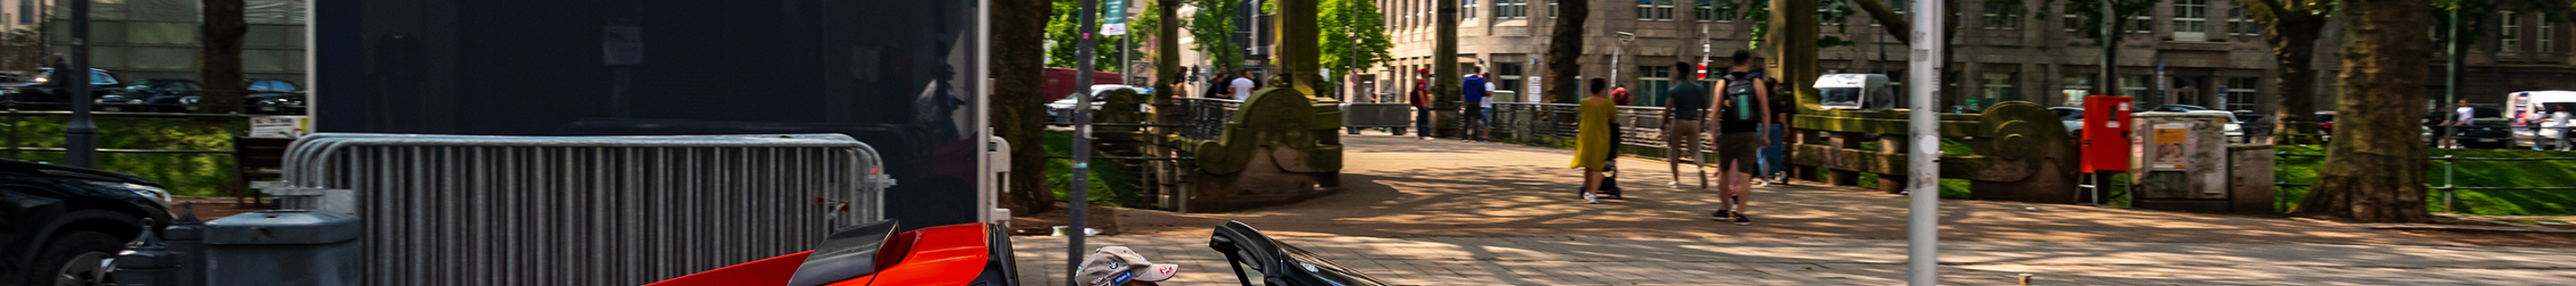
{"type": "Point", "coordinates": [1448, 213]}
{"type": "Point", "coordinates": [1830, 261]}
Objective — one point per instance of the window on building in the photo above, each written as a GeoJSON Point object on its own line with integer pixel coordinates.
{"type": "Point", "coordinates": [2239, 23]}
{"type": "Point", "coordinates": [1995, 19]}
{"type": "Point", "coordinates": [1467, 11]}
{"type": "Point", "coordinates": [1655, 10]}
{"type": "Point", "coordinates": [2070, 22]}
{"type": "Point", "coordinates": [27, 12]}
{"type": "Point", "coordinates": [1511, 9]}
{"type": "Point", "coordinates": [1720, 11]}
{"type": "Point", "coordinates": [2240, 93]}
{"type": "Point", "coordinates": [2190, 20]}
{"type": "Point", "coordinates": [2074, 88]}
{"type": "Point", "coordinates": [2511, 34]}
{"type": "Point", "coordinates": [1551, 9]}
{"type": "Point", "coordinates": [2547, 34]}
{"type": "Point", "coordinates": [1509, 76]}
{"type": "Point", "coordinates": [2141, 24]}
{"type": "Point", "coordinates": [1997, 87]}
{"type": "Point", "coordinates": [2134, 87]}
{"type": "Point", "coordinates": [1651, 82]}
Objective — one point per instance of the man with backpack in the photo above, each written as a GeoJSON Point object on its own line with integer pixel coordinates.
{"type": "Point", "coordinates": [1742, 110]}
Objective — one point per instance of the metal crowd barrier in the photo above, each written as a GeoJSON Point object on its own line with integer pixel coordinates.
{"type": "Point", "coordinates": [1640, 127]}
{"type": "Point", "coordinates": [591, 210]}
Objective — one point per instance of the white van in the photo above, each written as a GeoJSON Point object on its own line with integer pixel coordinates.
{"type": "Point", "coordinates": [2531, 115]}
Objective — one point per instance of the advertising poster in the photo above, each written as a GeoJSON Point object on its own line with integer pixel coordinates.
{"type": "Point", "coordinates": [2167, 148]}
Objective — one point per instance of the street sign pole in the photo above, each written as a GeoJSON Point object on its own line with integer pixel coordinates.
{"type": "Point", "coordinates": [1923, 223]}
{"type": "Point", "coordinates": [1082, 58]}
{"type": "Point", "coordinates": [80, 136]}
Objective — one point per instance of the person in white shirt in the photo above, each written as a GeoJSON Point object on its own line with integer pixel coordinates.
{"type": "Point", "coordinates": [2558, 118]}
{"type": "Point", "coordinates": [1488, 105]}
{"type": "Point", "coordinates": [1242, 85]}
{"type": "Point", "coordinates": [2462, 116]}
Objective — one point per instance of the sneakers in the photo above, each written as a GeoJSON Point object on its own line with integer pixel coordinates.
{"type": "Point", "coordinates": [1674, 184]}
{"type": "Point", "coordinates": [1721, 215]}
{"type": "Point", "coordinates": [1591, 199]}
{"type": "Point", "coordinates": [1741, 219]}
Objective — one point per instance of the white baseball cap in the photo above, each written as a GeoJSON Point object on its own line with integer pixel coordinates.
{"type": "Point", "coordinates": [1116, 265]}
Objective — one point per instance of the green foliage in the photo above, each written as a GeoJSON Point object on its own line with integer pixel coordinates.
{"type": "Point", "coordinates": [2303, 170]}
{"type": "Point", "coordinates": [1062, 34]}
{"type": "Point", "coordinates": [1212, 29]}
{"type": "Point", "coordinates": [1353, 27]}
{"type": "Point", "coordinates": [182, 174]}
{"type": "Point", "coordinates": [1112, 183]}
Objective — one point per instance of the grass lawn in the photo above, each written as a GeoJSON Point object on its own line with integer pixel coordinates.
{"type": "Point", "coordinates": [1112, 183]}
{"type": "Point", "coordinates": [2303, 170]}
{"type": "Point", "coordinates": [182, 174]}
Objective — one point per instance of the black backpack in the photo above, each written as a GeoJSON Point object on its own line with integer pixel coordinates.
{"type": "Point", "coordinates": [1740, 93]}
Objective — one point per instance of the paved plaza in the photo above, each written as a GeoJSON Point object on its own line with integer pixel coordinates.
{"type": "Point", "coordinates": [1441, 212]}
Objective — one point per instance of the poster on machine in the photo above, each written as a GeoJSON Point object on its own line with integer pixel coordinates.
{"type": "Point", "coordinates": [2167, 148]}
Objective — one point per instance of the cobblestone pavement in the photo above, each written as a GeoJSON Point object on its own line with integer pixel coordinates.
{"type": "Point", "coordinates": [1829, 261]}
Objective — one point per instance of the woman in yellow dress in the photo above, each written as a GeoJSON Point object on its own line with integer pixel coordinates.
{"type": "Point", "coordinates": [1592, 142]}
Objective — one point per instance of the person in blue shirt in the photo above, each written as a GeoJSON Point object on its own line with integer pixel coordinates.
{"type": "Point", "coordinates": [1473, 111]}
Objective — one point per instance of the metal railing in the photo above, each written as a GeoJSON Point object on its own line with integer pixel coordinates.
{"type": "Point", "coordinates": [2449, 186]}
{"type": "Point", "coordinates": [587, 210]}
{"type": "Point", "coordinates": [1640, 127]}
{"type": "Point", "coordinates": [1206, 117]}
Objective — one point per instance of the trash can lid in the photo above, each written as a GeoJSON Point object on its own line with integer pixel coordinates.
{"type": "Point", "coordinates": [283, 227]}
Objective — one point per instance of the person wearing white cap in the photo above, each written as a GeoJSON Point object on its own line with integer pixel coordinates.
{"type": "Point", "coordinates": [1119, 266]}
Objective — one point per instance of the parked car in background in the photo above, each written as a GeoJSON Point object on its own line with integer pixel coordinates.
{"type": "Point", "coordinates": [2177, 108]}
{"type": "Point", "coordinates": [266, 96]}
{"type": "Point", "coordinates": [41, 92]}
{"type": "Point", "coordinates": [2325, 124]}
{"type": "Point", "coordinates": [2234, 128]}
{"type": "Point", "coordinates": [2487, 129]}
{"type": "Point", "coordinates": [2073, 117]}
{"type": "Point", "coordinates": [1061, 110]}
{"type": "Point", "coordinates": [275, 97]}
{"type": "Point", "coordinates": [62, 225]}
{"type": "Point", "coordinates": [148, 95]}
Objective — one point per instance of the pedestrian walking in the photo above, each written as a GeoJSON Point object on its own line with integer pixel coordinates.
{"type": "Point", "coordinates": [1592, 141]}
{"type": "Point", "coordinates": [2558, 116]}
{"type": "Point", "coordinates": [1619, 94]}
{"type": "Point", "coordinates": [2460, 116]}
{"type": "Point", "coordinates": [1473, 112]}
{"type": "Point", "coordinates": [1742, 111]}
{"type": "Point", "coordinates": [1422, 103]}
{"type": "Point", "coordinates": [1686, 106]}
{"type": "Point", "coordinates": [1216, 84]}
{"type": "Point", "coordinates": [1242, 85]}
{"type": "Point", "coordinates": [1486, 110]}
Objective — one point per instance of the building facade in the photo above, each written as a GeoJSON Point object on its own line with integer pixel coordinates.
{"type": "Point", "coordinates": [2197, 52]}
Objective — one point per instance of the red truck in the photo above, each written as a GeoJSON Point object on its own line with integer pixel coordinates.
{"type": "Point", "coordinates": [1060, 82]}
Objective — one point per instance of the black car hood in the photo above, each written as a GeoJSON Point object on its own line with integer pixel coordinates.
{"type": "Point", "coordinates": [49, 170]}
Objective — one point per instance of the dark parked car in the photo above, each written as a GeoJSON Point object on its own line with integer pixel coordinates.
{"type": "Point", "coordinates": [1260, 260]}
{"type": "Point", "coordinates": [62, 224]}
{"type": "Point", "coordinates": [267, 96]}
{"type": "Point", "coordinates": [159, 94]}
{"type": "Point", "coordinates": [40, 88]}
{"type": "Point", "coordinates": [2487, 129]}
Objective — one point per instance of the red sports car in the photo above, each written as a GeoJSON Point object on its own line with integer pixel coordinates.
{"type": "Point", "coordinates": [959, 254]}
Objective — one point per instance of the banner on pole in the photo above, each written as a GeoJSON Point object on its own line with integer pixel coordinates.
{"type": "Point", "coordinates": [1114, 18]}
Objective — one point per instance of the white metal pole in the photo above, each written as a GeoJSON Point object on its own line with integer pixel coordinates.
{"type": "Point", "coordinates": [1923, 79]}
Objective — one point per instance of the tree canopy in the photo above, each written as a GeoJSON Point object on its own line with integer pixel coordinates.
{"type": "Point", "coordinates": [1212, 31]}
{"type": "Point", "coordinates": [1354, 36]}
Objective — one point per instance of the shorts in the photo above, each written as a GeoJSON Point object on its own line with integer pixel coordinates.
{"type": "Point", "coordinates": [1740, 148]}
{"type": "Point", "coordinates": [1685, 140]}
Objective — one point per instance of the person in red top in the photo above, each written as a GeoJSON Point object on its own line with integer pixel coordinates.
{"type": "Point", "coordinates": [1421, 100]}
{"type": "Point", "coordinates": [1619, 94]}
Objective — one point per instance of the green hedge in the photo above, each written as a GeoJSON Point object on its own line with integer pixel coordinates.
{"type": "Point", "coordinates": [1112, 183]}
{"type": "Point", "coordinates": [182, 174]}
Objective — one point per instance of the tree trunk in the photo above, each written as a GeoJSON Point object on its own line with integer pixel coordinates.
{"type": "Point", "coordinates": [1793, 61]}
{"type": "Point", "coordinates": [2292, 31]}
{"type": "Point", "coordinates": [2374, 170]}
{"type": "Point", "coordinates": [1017, 77]}
{"type": "Point", "coordinates": [219, 64]}
{"type": "Point", "coordinates": [1565, 51]}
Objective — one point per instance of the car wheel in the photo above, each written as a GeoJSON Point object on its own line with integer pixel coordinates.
{"type": "Point", "coordinates": [76, 258]}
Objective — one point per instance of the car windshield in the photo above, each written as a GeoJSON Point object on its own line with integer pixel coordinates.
{"type": "Point", "coordinates": [1324, 269]}
{"type": "Point", "coordinates": [271, 86]}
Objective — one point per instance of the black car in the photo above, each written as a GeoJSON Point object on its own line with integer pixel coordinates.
{"type": "Point", "coordinates": [159, 94]}
{"type": "Point", "coordinates": [1260, 260]}
{"type": "Point", "coordinates": [41, 91]}
{"type": "Point", "coordinates": [63, 224]}
{"type": "Point", "coordinates": [267, 96]}
{"type": "Point", "coordinates": [2178, 108]}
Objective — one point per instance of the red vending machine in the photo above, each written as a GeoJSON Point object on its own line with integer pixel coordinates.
{"type": "Point", "coordinates": [2105, 144]}
{"type": "Point", "coordinates": [2106, 133]}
